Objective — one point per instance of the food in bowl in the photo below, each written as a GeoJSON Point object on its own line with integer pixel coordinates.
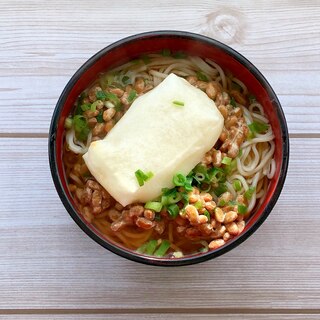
{"type": "Point", "coordinates": [168, 154]}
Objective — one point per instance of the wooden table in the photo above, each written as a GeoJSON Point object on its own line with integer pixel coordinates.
{"type": "Point", "coordinates": [49, 269]}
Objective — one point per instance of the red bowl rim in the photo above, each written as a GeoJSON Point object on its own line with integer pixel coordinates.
{"type": "Point", "coordinates": [131, 255]}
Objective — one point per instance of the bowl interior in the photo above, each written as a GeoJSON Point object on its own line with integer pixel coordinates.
{"type": "Point", "coordinates": [135, 47]}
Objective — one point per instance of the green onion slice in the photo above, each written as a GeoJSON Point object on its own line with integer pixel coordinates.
{"type": "Point", "coordinates": [151, 247]}
{"type": "Point", "coordinates": [68, 123]}
{"type": "Point", "coordinates": [249, 193]}
{"type": "Point", "coordinates": [153, 205]}
{"type": "Point", "coordinates": [143, 177]}
{"type": "Point", "coordinates": [233, 102]}
{"type": "Point", "coordinates": [242, 209]}
{"type": "Point", "coordinates": [179, 55]}
{"type": "Point", "coordinates": [222, 188]}
{"type": "Point", "coordinates": [258, 127]}
{"type": "Point", "coordinates": [202, 77]}
{"type": "Point", "coordinates": [163, 248]}
{"type": "Point", "coordinates": [178, 103]}
{"type": "Point", "coordinates": [198, 205]}
{"type": "Point", "coordinates": [237, 185]}
{"type": "Point", "coordinates": [142, 248]}
{"type": "Point", "coordinates": [173, 210]}
{"type": "Point", "coordinates": [207, 214]}
{"type": "Point", "coordinates": [132, 95]}
{"type": "Point", "coordinates": [179, 180]}
{"type": "Point", "coordinates": [226, 161]}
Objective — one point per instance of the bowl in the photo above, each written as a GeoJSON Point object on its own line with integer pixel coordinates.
{"type": "Point", "coordinates": [193, 44]}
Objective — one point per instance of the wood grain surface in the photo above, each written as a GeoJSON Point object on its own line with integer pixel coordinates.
{"type": "Point", "coordinates": [49, 269]}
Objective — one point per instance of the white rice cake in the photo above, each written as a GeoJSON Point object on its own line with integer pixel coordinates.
{"type": "Point", "coordinates": [158, 136]}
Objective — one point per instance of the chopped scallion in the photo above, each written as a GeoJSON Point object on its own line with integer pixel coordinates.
{"type": "Point", "coordinates": [242, 209]}
{"type": "Point", "coordinates": [132, 95]}
{"type": "Point", "coordinates": [125, 80]}
{"type": "Point", "coordinates": [94, 105]}
{"type": "Point", "coordinates": [163, 248]}
{"type": "Point", "coordinates": [99, 117]}
{"type": "Point", "coordinates": [258, 127]}
{"type": "Point", "coordinates": [81, 127]}
{"type": "Point", "coordinates": [151, 247]}
{"type": "Point", "coordinates": [198, 205]}
{"type": "Point", "coordinates": [222, 188]}
{"type": "Point", "coordinates": [153, 205]}
{"type": "Point", "coordinates": [178, 103]}
{"type": "Point", "coordinates": [233, 102]}
{"type": "Point", "coordinates": [201, 76]}
{"type": "Point", "coordinates": [143, 177]}
{"type": "Point", "coordinates": [252, 98]}
{"type": "Point", "coordinates": [68, 123]}
{"type": "Point", "coordinates": [142, 248]}
{"type": "Point", "coordinates": [101, 95]}
{"type": "Point", "coordinates": [179, 55]}
{"type": "Point", "coordinates": [207, 214]}
{"type": "Point", "coordinates": [85, 107]}
{"type": "Point", "coordinates": [237, 185]}
{"type": "Point", "coordinates": [173, 210]}
{"type": "Point", "coordinates": [179, 180]}
{"type": "Point", "coordinates": [226, 161]}
{"type": "Point", "coordinates": [249, 193]}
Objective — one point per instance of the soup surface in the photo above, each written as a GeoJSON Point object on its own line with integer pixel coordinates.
{"type": "Point", "coordinates": [206, 208]}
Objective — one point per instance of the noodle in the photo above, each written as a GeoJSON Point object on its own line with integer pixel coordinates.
{"type": "Point", "coordinates": [253, 167]}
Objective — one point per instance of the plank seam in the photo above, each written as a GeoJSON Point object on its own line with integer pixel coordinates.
{"type": "Point", "coordinates": [231, 311]}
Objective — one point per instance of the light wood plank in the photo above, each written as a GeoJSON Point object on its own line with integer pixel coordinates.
{"type": "Point", "coordinates": [48, 262]}
{"type": "Point", "coordinates": [43, 43]}
{"type": "Point", "coordinates": [163, 316]}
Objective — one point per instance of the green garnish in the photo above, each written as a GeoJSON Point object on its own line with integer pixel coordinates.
{"type": "Point", "coordinates": [242, 209]}
{"type": "Point", "coordinates": [216, 175]}
{"type": "Point", "coordinates": [94, 105]}
{"type": "Point", "coordinates": [151, 247]}
{"type": "Point", "coordinates": [99, 117]}
{"type": "Point", "coordinates": [226, 161]}
{"type": "Point", "coordinates": [166, 53]}
{"type": "Point", "coordinates": [125, 80]}
{"type": "Point", "coordinates": [142, 248]}
{"type": "Point", "coordinates": [237, 185]}
{"type": "Point", "coordinates": [222, 188]}
{"type": "Point", "coordinates": [201, 76]}
{"type": "Point", "coordinates": [233, 102]}
{"type": "Point", "coordinates": [68, 123]}
{"type": "Point", "coordinates": [179, 55]}
{"type": "Point", "coordinates": [101, 95]}
{"type": "Point", "coordinates": [145, 59]}
{"type": "Point", "coordinates": [143, 177]}
{"type": "Point", "coordinates": [173, 210]}
{"type": "Point", "coordinates": [252, 98]}
{"type": "Point", "coordinates": [198, 205]}
{"type": "Point", "coordinates": [163, 248]}
{"type": "Point", "coordinates": [207, 214]}
{"type": "Point", "coordinates": [153, 205]}
{"type": "Point", "coordinates": [178, 103]}
{"type": "Point", "coordinates": [132, 95]}
{"type": "Point", "coordinates": [170, 196]}
{"type": "Point", "coordinates": [249, 193]}
{"type": "Point", "coordinates": [258, 127]}
{"type": "Point", "coordinates": [179, 180]}
{"type": "Point", "coordinates": [85, 107]}
{"type": "Point", "coordinates": [222, 203]}
{"type": "Point", "coordinates": [81, 127]}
